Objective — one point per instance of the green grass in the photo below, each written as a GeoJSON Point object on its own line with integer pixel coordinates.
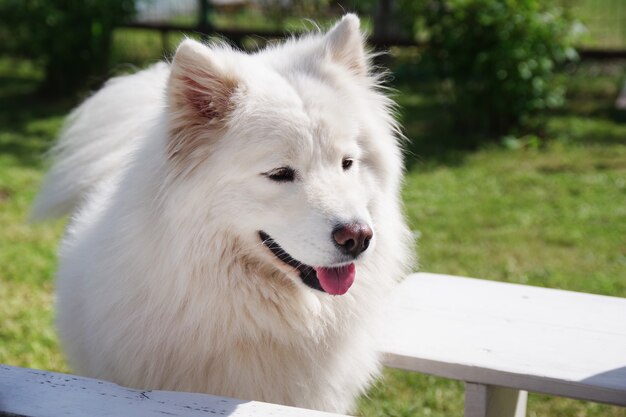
{"type": "Point", "coordinates": [605, 22]}
{"type": "Point", "coordinates": [27, 252]}
{"type": "Point", "coordinates": [551, 214]}
{"type": "Point", "coordinates": [524, 216]}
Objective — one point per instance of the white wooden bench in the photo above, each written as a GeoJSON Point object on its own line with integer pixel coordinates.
{"type": "Point", "coordinates": [501, 339]}
{"type": "Point", "coordinates": [34, 393]}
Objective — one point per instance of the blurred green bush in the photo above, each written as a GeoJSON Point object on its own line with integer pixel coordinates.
{"type": "Point", "coordinates": [70, 38]}
{"type": "Point", "coordinates": [498, 57]}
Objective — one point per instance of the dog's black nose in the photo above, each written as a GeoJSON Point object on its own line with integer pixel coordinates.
{"type": "Point", "coordinates": [353, 239]}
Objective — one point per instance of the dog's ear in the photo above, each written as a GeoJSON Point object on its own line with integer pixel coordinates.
{"type": "Point", "coordinates": [344, 44]}
{"type": "Point", "coordinates": [199, 98]}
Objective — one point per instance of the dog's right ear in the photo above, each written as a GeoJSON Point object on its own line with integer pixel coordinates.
{"type": "Point", "coordinates": [199, 98]}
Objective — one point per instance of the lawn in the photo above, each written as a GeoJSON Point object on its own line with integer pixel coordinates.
{"type": "Point", "coordinates": [605, 22]}
{"type": "Point", "coordinates": [548, 212]}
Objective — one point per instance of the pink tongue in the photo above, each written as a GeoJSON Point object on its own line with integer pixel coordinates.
{"type": "Point", "coordinates": [336, 281]}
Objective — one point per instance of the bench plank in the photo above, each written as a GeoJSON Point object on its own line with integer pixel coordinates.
{"type": "Point", "coordinates": [34, 393]}
{"type": "Point", "coordinates": [528, 338]}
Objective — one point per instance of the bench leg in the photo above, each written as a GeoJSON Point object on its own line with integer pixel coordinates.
{"type": "Point", "coordinates": [490, 401]}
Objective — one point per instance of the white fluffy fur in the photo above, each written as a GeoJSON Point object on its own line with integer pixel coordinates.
{"type": "Point", "coordinates": [163, 282]}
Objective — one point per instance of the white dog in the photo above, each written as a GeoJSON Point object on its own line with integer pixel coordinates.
{"type": "Point", "coordinates": [236, 223]}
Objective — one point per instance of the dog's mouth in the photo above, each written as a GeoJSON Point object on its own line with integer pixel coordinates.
{"type": "Point", "coordinates": [332, 280]}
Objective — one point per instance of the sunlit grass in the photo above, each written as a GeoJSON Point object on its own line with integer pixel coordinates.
{"type": "Point", "coordinates": [605, 22]}
{"type": "Point", "coordinates": [554, 217]}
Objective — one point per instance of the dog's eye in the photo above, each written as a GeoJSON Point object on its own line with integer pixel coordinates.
{"type": "Point", "coordinates": [284, 174]}
{"type": "Point", "coordinates": [346, 163]}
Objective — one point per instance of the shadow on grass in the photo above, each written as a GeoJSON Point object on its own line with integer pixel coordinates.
{"type": "Point", "coordinates": [588, 117]}
{"type": "Point", "coordinates": [427, 123]}
{"type": "Point", "coordinates": [28, 122]}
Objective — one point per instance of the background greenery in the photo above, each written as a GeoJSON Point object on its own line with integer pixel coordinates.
{"type": "Point", "coordinates": [544, 208]}
{"type": "Point", "coordinates": [70, 39]}
{"type": "Point", "coordinates": [497, 57]}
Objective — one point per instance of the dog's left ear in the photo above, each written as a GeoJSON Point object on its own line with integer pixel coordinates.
{"type": "Point", "coordinates": [344, 44]}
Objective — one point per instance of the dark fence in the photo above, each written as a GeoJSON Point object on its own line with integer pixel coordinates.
{"type": "Point", "coordinates": [603, 23]}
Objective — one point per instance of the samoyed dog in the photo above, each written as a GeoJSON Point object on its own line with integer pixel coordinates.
{"type": "Point", "coordinates": [236, 222]}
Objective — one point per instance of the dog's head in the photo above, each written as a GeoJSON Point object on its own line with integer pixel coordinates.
{"type": "Point", "coordinates": [292, 146]}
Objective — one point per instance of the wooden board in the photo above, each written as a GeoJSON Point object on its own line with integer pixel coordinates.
{"type": "Point", "coordinates": [33, 393]}
{"type": "Point", "coordinates": [529, 338]}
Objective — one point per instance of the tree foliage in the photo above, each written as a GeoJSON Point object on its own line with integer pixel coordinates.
{"type": "Point", "coordinates": [70, 38]}
{"type": "Point", "coordinates": [499, 56]}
